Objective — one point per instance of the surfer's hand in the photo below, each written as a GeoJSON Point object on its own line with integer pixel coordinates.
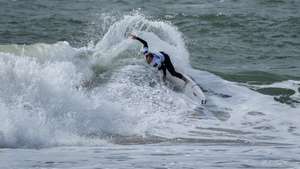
{"type": "Point", "coordinates": [164, 79]}
{"type": "Point", "coordinates": [132, 36]}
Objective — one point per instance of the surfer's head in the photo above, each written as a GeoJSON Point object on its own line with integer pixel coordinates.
{"type": "Point", "coordinates": [149, 57]}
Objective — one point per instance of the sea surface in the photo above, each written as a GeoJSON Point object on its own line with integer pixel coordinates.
{"type": "Point", "coordinates": [75, 91]}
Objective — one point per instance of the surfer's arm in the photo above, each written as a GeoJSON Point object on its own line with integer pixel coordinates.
{"type": "Point", "coordinates": [140, 40]}
{"type": "Point", "coordinates": [164, 69]}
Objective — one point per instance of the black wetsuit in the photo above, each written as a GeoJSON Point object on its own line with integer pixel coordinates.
{"type": "Point", "coordinates": [166, 64]}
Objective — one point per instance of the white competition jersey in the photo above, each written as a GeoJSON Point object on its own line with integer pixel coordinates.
{"type": "Point", "coordinates": [158, 58]}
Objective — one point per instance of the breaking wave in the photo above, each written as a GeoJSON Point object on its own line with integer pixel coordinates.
{"type": "Point", "coordinates": [56, 94]}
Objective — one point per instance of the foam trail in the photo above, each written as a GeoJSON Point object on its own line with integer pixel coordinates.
{"type": "Point", "coordinates": [249, 110]}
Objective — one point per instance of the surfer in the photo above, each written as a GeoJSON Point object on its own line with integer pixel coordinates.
{"type": "Point", "coordinates": [160, 60]}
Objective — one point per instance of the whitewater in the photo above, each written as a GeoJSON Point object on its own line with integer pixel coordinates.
{"type": "Point", "coordinates": [60, 103]}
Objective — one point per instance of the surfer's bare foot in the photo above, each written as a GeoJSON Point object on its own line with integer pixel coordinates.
{"type": "Point", "coordinates": [185, 80]}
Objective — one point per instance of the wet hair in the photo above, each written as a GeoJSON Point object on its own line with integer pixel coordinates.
{"type": "Point", "coordinates": [149, 55]}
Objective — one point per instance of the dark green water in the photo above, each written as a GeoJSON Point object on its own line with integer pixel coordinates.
{"type": "Point", "coordinates": [245, 41]}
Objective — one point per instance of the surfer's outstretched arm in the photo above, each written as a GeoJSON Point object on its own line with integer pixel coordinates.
{"type": "Point", "coordinates": [140, 40]}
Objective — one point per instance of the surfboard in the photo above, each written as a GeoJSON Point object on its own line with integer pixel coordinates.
{"type": "Point", "coordinates": [191, 89]}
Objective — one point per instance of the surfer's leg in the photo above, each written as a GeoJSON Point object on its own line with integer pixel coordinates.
{"type": "Point", "coordinates": [172, 70]}
{"type": "Point", "coordinates": [164, 69]}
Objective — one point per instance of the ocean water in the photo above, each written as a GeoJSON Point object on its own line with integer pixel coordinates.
{"type": "Point", "coordinates": [75, 91]}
